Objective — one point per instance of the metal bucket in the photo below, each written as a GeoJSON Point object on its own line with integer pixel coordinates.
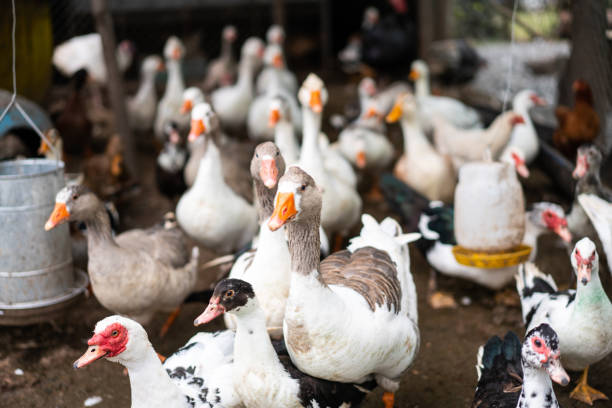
{"type": "Point", "coordinates": [35, 265]}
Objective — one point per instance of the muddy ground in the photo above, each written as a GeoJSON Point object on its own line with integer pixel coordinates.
{"type": "Point", "coordinates": [443, 375]}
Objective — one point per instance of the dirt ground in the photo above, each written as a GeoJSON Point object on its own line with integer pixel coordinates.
{"type": "Point", "coordinates": [443, 374]}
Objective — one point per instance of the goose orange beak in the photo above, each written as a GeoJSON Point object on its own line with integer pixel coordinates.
{"type": "Point", "coordinates": [283, 211]}
{"type": "Point", "coordinates": [93, 353]}
{"type": "Point", "coordinates": [176, 53]}
{"type": "Point", "coordinates": [414, 75]}
{"type": "Point", "coordinates": [187, 106]}
{"type": "Point", "coordinates": [395, 114]}
{"type": "Point", "coordinates": [315, 101]}
{"type": "Point", "coordinates": [268, 172]}
{"type": "Point", "coordinates": [360, 160]}
{"type": "Point", "coordinates": [44, 147]}
{"type": "Point", "coordinates": [197, 128]}
{"type": "Point", "coordinates": [273, 118]}
{"type": "Point", "coordinates": [213, 310]}
{"type": "Point", "coordinates": [277, 61]}
{"type": "Point", "coordinates": [59, 215]}
{"type": "Point", "coordinates": [116, 165]}
{"type": "Point", "coordinates": [371, 113]}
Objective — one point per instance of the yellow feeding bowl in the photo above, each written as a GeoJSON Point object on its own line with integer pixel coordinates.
{"type": "Point", "coordinates": [488, 260]}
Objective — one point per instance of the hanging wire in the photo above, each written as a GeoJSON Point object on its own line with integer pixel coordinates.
{"type": "Point", "coordinates": [509, 75]}
{"type": "Point", "coordinates": [14, 101]}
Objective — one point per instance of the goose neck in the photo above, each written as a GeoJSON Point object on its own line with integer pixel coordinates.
{"type": "Point", "coordinates": [265, 199]}
{"type": "Point", "coordinates": [422, 87]}
{"type": "Point", "coordinates": [175, 77]}
{"type": "Point", "coordinates": [99, 228]}
{"type": "Point", "coordinates": [304, 245]}
{"type": "Point", "coordinates": [311, 129]}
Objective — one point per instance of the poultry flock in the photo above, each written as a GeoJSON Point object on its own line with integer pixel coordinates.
{"type": "Point", "coordinates": [310, 326]}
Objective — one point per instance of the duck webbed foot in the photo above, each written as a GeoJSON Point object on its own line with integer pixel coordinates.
{"type": "Point", "coordinates": [585, 393]}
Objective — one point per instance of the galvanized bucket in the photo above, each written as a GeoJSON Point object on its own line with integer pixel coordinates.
{"type": "Point", "coordinates": [36, 272]}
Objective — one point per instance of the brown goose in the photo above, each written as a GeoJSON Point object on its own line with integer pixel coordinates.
{"type": "Point", "coordinates": [353, 315]}
{"type": "Point", "coordinates": [136, 273]}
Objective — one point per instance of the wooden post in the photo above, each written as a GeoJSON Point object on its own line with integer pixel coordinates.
{"type": "Point", "coordinates": [425, 24]}
{"type": "Point", "coordinates": [278, 12]}
{"type": "Point", "coordinates": [104, 25]}
{"type": "Point", "coordinates": [326, 34]}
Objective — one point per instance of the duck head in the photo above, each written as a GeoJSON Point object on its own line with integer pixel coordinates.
{"type": "Point", "coordinates": [588, 161]}
{"type": "Point", "coordinates": [54, 138]}
{"type": "Point", "coordinates": [298, 199]}
{"type": "Point", "coordinates": [313, 93]}
{"type": "Point", "coordinates": [72, 203]}
{"type": "Point", "coordinates": [191, 97]}
{"type": "Point", "coordinates": [585, 261]}
{"type": "Point", "coordinates": [231, 296]}
{"type": "Point", "coordinates": [203, 121]}
{"type": "Point", "coordinates": [117, 339]}
{"type": "Point", "coordinates": [516, 158]}
{"type": "Point", "coordinates": [541, 350]}
{"type": "Point", "coordinates": [267, 164]}
{"type": "Point", "coordinates": [552, 217]}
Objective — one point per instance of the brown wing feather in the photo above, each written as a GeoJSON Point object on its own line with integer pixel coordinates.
{"type": "Point", "coordinates": [369, 272]}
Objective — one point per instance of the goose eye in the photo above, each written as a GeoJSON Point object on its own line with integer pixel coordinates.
{"type": "Point", "coordinates": [257, 155]}
{"type": "Point", "coordinates": [278, 153]}
{"type": "Point", "coordinates": [115, 333]}
{"type": "Point", "coordinates": [303, 187]}
{"type": "Point", "coordinates": [75, 196]}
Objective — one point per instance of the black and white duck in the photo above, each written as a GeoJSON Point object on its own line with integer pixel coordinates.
{"type": "Point", "coordinates": [170, 163]}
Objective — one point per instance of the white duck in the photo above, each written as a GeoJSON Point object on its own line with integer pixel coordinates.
{"type": "Point", "coordinates": [524, 137]}
{"type": "Point", "coordinates": [268, 267]}
{"type": "Point", "coordinates": [232, 102]}
{"type": "Point", "coordinates": [579, 316]}
{"type": "Point", "coordinates": [197, 375]}
{"type": "Point", "coordinates": [280, 119]}
{"type": "Point", "coordinates": [143, 105]}
{"type": "Point", "coordinates": [437, 229]}
{"type": "Point", "coordinates": [222, 71]}
{"type": "Point", "coordinates": [467, 145]}
{"type": "Point", "coordinates": [264, 375]}
{"type": "Point", "coordinates": [421, 166]}
{"type": "Point", "coordinates": [210, 211]}
{"type": "Point", "coordinates": [85, 51]}
{"type": "Point", "coordinates": [341, 203]}
{"type": "Point", "coordinates": [599, 212]}
{"type": "Point", "coordinates": [454, 111]}
{"type": "Point", "coordinates": [169, 107]}
{"type": "Point", "coordinates": [331, 302]}
{"type": "Point", "coordinates": [277, 66]}
{"type": "Point", "coordinates": [257, 125]}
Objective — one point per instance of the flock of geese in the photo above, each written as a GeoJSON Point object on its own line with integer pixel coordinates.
{"type": "Point", "coordinates": [306, 332]}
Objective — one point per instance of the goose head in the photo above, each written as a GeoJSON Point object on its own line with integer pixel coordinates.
{"type": "Point", "coordinates": [275, 35]}
{"type": "Point", "coordinates": [73, 203]}
{"type": "Point", "coordinates": [313, 93]}
{"type": "Point", "coordinates": [203, 121]}
{"type": "Point", "coordinates": [229, 34]}
{"type": "Point", "coordinates": [232, 296]}
{"type": "Point", "coordinates": [191, 97]}
{"type": "Point", "coordinates": [174, 49]}
{"type": "Point", "coordinates": [588, 161]}
{"type": "Point", "coordinates": [273, 56]}
{"type": "Point", "coordinates": [279, 110]}
{"type": "Point", "coordinates": [298, 199]}
{"type": "Point", "coordinates": [125, 54]}
{"type": "Point", "coordinates": [117, 339]}
{"type": "Point", "coordinates": [252, 51]}
{"type": "Point", "coordinates": [267, 164]}
{"type": "Point", "coordinates": [516, 158]}
{"type": "Point", "coordinates": [585, 261]}
{"type": "Point", "coordinates": [541, 350]}
{"type": "Point", "coordinates": [419, 70]}
{"type": "Point", "coordinates": [405, 107]}
{"type": "Point", "coordinates": [367, 88]}
{"type": "Point", "coordinates": [151, 65]}
{"type": "Point", "coordinates": [54, 138]}
{"type": "Point", "coordinates": [371, 17]}
{"type": "Point", "coordinates": [550, 216]}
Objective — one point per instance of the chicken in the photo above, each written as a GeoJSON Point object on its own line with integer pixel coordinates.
{"type": "Point", "coordinates": [579, 125]}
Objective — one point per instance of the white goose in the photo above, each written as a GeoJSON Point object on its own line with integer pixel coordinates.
{"type": "Point", "coordinates": [284, 134]}
{"type": "Point", "coordinates": [331, 302]}
{"type": "Point", "coordinates": [268, 267]}
{"type": "Point", "coordinates": [232, 102]}
{"type": "Point", "coordinates": [143, 105]}
{"type": "Point", "coordinates": [169, 107]}
{"type": "Point", "coordinates": [199, 375]}
{"type": "Point", "coordinates": [264, 375]}
{"type": "Point", "coordinates": [222, 71]}
{"type": "Point", "coordinates": [341, 203]}
{"type": "Point", "coordinates": [257, 124]}
{"type": "Point", "coordinates": [210, 211]}
{"type": "Point", "coordinates": [454, 111]}
{"type": "Point", "coordinates": [276, 38]}
{"type": "Point", "coordinates": [421, 166]}
{"type": "Point", "coordinates": [579, 316]}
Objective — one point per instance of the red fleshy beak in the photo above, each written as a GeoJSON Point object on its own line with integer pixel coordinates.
{"type": "Point", "coordinates": [556, 371]}
{"type": "Point", "coordinates": [517, 119]}
{"type": "Point", "coordinates": [537, 100]}
{"type": "Point", "coordinates": [268, 172]}
{"type": "Point", "coordinates": [563, 232]}
{"type": "Point", "coordinates": [213, 310]}
{"type": "Point", "coordinates": [582, 166]}
{"type": "Point", "coordinates": [519, 165]}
